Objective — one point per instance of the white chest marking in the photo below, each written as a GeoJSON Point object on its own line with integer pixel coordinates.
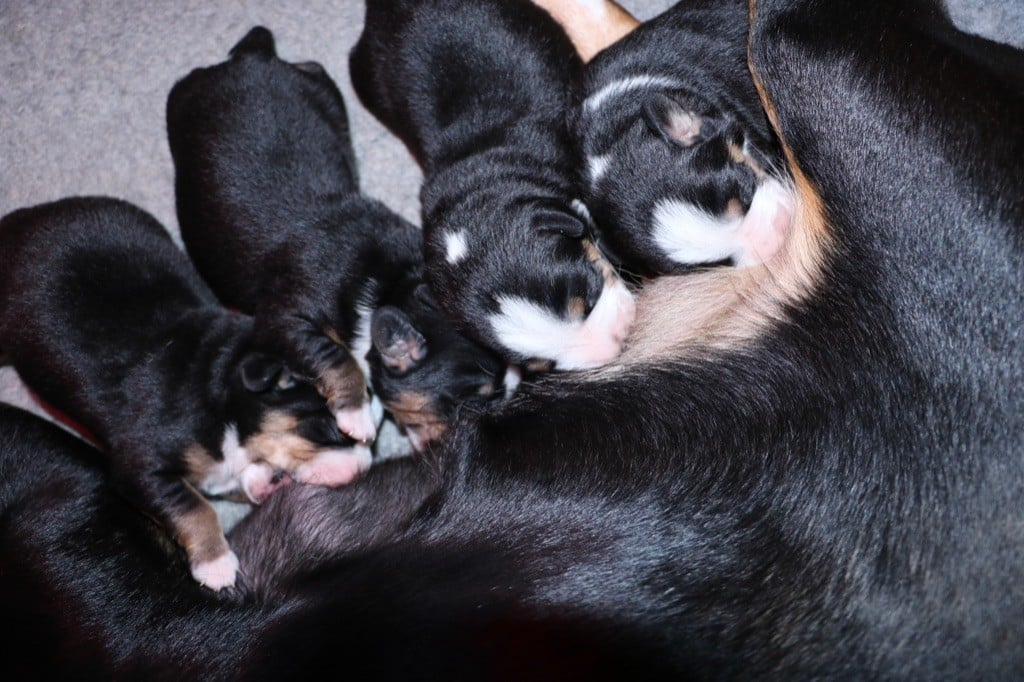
{"type": "Point", "coordinates": [688, 235]}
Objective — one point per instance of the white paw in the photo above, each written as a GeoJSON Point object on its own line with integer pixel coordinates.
{"type": "Point", "coordinates": [217, 573]}
{"type": "Point", "coordinates": [333, 468]}
{"type": "Point", "coordinates": [357, 423]}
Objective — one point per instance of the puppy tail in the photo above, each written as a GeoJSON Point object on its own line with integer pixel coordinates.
{"type": "Point", "coordinates": [259, 41]}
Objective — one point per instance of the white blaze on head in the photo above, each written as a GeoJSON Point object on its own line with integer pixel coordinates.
{"type": "Point", "coordinates": [535, 331]}
{"type": "Point", "coordinates": [455, 246]}
{"type": "Point", "coordinates": [624, 85]}
{"type": "Point", "coordinates": [690, 236]}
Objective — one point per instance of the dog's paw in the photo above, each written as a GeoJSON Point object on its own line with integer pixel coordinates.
{"type": "Point", "coordinates": [217, 573]}
{"type": "Point", "coordinates": [333, 468]}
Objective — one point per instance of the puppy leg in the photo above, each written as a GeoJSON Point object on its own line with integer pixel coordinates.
{"type": "Point", "coordinates": [193, 524]}
{"type": "Point", "coordinates": [319, 352]}
{"type": "Point", "coordinates": [591, 25]}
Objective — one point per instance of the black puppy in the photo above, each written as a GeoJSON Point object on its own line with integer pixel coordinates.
{"type": "Point", "coordinates": [106, 319]}
{"type": "Point", "coordinates": [679, 155]}
{"type": "Point", "coordinates": [477, 91]}
{"type": "Point", "coordinates": [269, 205]}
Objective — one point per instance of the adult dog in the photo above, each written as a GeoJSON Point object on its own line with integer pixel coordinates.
{"type": "Point", "coordinates": [806, 468]}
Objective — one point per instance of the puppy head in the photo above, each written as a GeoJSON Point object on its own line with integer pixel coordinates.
{"type": "Point", "coordinates": [537, 291]}
{"type": "Point", "coordinates": [669, 179]}
{"type": "Point", "coordinates": [424, 370]}
{"type": "Point", "coordinates": [285, 430]}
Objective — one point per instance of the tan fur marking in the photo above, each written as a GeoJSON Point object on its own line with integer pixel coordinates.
{"type": "Point", "coordinates": [577, 306]}
{"type": "Point", "coordinates": [198, 531]}
{"type": "Point", "coordinates": [590, 32]}
{"type": "Point", "coordinates": [594, 255]}
{"type": "Point", "coordinates": [277, 443]}
{"type": "Point", "coordinates": [198, 462]}
{"type": "Point", "coordinates": [416, 410]}
{"type": "Point", "coordinates": [727, 309]}
{"type": "Point", "coordinates": [343, 386]}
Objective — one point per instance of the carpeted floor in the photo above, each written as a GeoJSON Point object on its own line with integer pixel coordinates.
{"type": "Point", "coordinates": [83, 84]}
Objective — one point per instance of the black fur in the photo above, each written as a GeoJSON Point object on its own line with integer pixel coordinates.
{"type": "Point", "coordinates": [269, 205]}
{"type": "Point", "coordinates": [477, 91]}
{"type": "Point", "coordinates": [838, 499]}
{"type": "Point", "coordinates": [91, 588]}
{"type": "Point", "coordinates": [700, 47]}
{"type": "Point", "coordinates": [105, 318]}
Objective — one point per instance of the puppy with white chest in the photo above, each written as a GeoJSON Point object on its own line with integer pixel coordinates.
{"type": "Point", "coordinates": [478, 93]}
{"type": "Point", "coordinates": [105, 318]}
{"type": "Point", "coordinates": [269, 204]}
{"type": "Point", "coordinates": [682, 167]}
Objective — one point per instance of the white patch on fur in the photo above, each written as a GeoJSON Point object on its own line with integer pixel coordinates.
{"type": "Point", "coordinates": [333, 468]}
{"type": "Point", "coordinates": [598, 166]}
{"type": "Point", "coordinates": [217, 573]}
{"type": "Point", "coordinates": [455, 247]}
{"type": "Point", "coordinates": [224, 476]}
{"type": "Point", "coordinates": [691, 236]}
{"type": "Point", "coordinates": [582, 211]}
{"type": "Point", "coordinates": [624, 85]}
{"type": "Point", "coordinates": [513, 377]}
{"type": "Point", "coordinates": [688, 235]}
{"type": "Point", "coordinates": [361, 342]}
{"type": "Point", "coordinates": [376, 410]}
{"type": "Point", "coordinates": [534, 331]}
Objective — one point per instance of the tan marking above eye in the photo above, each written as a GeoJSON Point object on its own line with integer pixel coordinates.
{"type": "Point", "coordinates": [277, 443]}
{"type": "Point", "coordinates": [413, 410]}
{"type": "Point", "coordinates": [577, 307]}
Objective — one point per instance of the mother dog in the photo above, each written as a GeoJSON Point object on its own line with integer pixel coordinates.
{"type": "Point", "coordinates": [807, 468]}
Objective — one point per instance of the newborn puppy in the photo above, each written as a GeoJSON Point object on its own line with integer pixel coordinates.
{"type": "Point", "coordinates": [105, 318]}
{"type": "Point", "coordinates": [266, 181]}
{"type": "Point", "coordinates": [478, 90]}
{"type": "Point", "coordinates": [269, 205]}
{"type": "Point", "coordinates": [679, 154]}
{"type": "Point", "coordinates": [422, 368]}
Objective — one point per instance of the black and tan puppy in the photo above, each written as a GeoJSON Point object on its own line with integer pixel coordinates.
{"type": "Point", "coordinates": [269, 204]}
{"type": "Point", "coordinates": [682, 168]}
{"type": "Point", "coordinates": [478, 90]}
{"type": "Point", "coordinates": [105, 318]}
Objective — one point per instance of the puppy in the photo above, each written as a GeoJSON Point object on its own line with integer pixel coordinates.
{"type": "Point", "coordinates": [269, 205]}
{"type": "Point", "coordinates": [107, 321]}
{"type": "Point", "coordinates": [478, 93]}
{"type": "Point", "coordinates": [682, 168]}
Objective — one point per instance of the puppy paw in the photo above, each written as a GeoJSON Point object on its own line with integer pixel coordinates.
{"type": "Point", "coordinates": [218, 573]}
{"type": "Point", "coordinates": [333, 468]}
{"type": "Point", "coordinates": [357, 423]}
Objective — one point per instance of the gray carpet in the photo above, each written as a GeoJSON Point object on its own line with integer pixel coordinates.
{"type": "Point", "coordinates": [83, 85]}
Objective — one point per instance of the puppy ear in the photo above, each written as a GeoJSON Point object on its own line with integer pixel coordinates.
{"type": "Point", "coordinates": [260, 372]}
{"type": "Point", "coordinates": [675, 123]}
{"type": "Point", "coordinates": [560, 222]}
{"type": "Point", "coordinates": [401, 347]}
